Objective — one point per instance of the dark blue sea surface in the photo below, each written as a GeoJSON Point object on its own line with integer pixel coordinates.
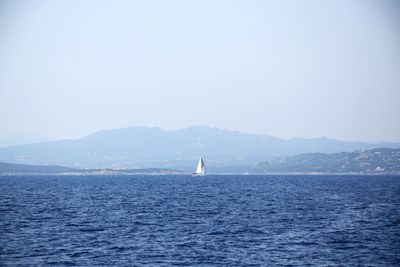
{"type": "Point", "coordinates": [213, 220]}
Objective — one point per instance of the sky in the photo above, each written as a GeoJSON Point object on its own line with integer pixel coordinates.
{"type": "Point", "coordinates": [283, 68]}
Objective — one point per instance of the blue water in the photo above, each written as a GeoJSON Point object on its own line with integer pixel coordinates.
{"type": "Point", "coordinates": [212, 220]}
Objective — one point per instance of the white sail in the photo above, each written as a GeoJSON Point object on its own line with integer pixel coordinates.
{"type": "Point", "coordinates": [201, 168]}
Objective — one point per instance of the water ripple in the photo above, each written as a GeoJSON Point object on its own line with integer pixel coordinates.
{"type": "Point", "coordinates": [214, 220]}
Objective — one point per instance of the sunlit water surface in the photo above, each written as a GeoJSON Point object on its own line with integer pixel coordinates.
{"type": "Point", "coordinates": [213, 220]}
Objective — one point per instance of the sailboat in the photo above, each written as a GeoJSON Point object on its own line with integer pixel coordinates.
{"type": "Point", "coordinates": [201, 168]}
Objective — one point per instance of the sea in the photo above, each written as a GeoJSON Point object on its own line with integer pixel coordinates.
{"type": "Point", "coordinates": [216, 220]}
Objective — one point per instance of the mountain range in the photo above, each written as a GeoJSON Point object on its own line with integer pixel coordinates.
{"type": "Point", "coordinates": [144, 147]}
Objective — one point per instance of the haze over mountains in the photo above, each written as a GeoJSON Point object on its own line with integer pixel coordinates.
{"type": "Point", "coordinates": [143, 147]}
{"type": "Point", "coordinates": [25, 139]}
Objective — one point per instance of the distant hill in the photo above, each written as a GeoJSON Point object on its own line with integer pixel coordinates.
{"type": "Point", "coordinates": [141, 147]}
{"type": "Point", "coordinates": [22, 169]}
{"type": "Point", "coordinates": [380, 160]}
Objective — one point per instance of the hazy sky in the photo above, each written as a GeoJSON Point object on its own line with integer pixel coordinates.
{"type": "Point", "coordinates": [283, 68]}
